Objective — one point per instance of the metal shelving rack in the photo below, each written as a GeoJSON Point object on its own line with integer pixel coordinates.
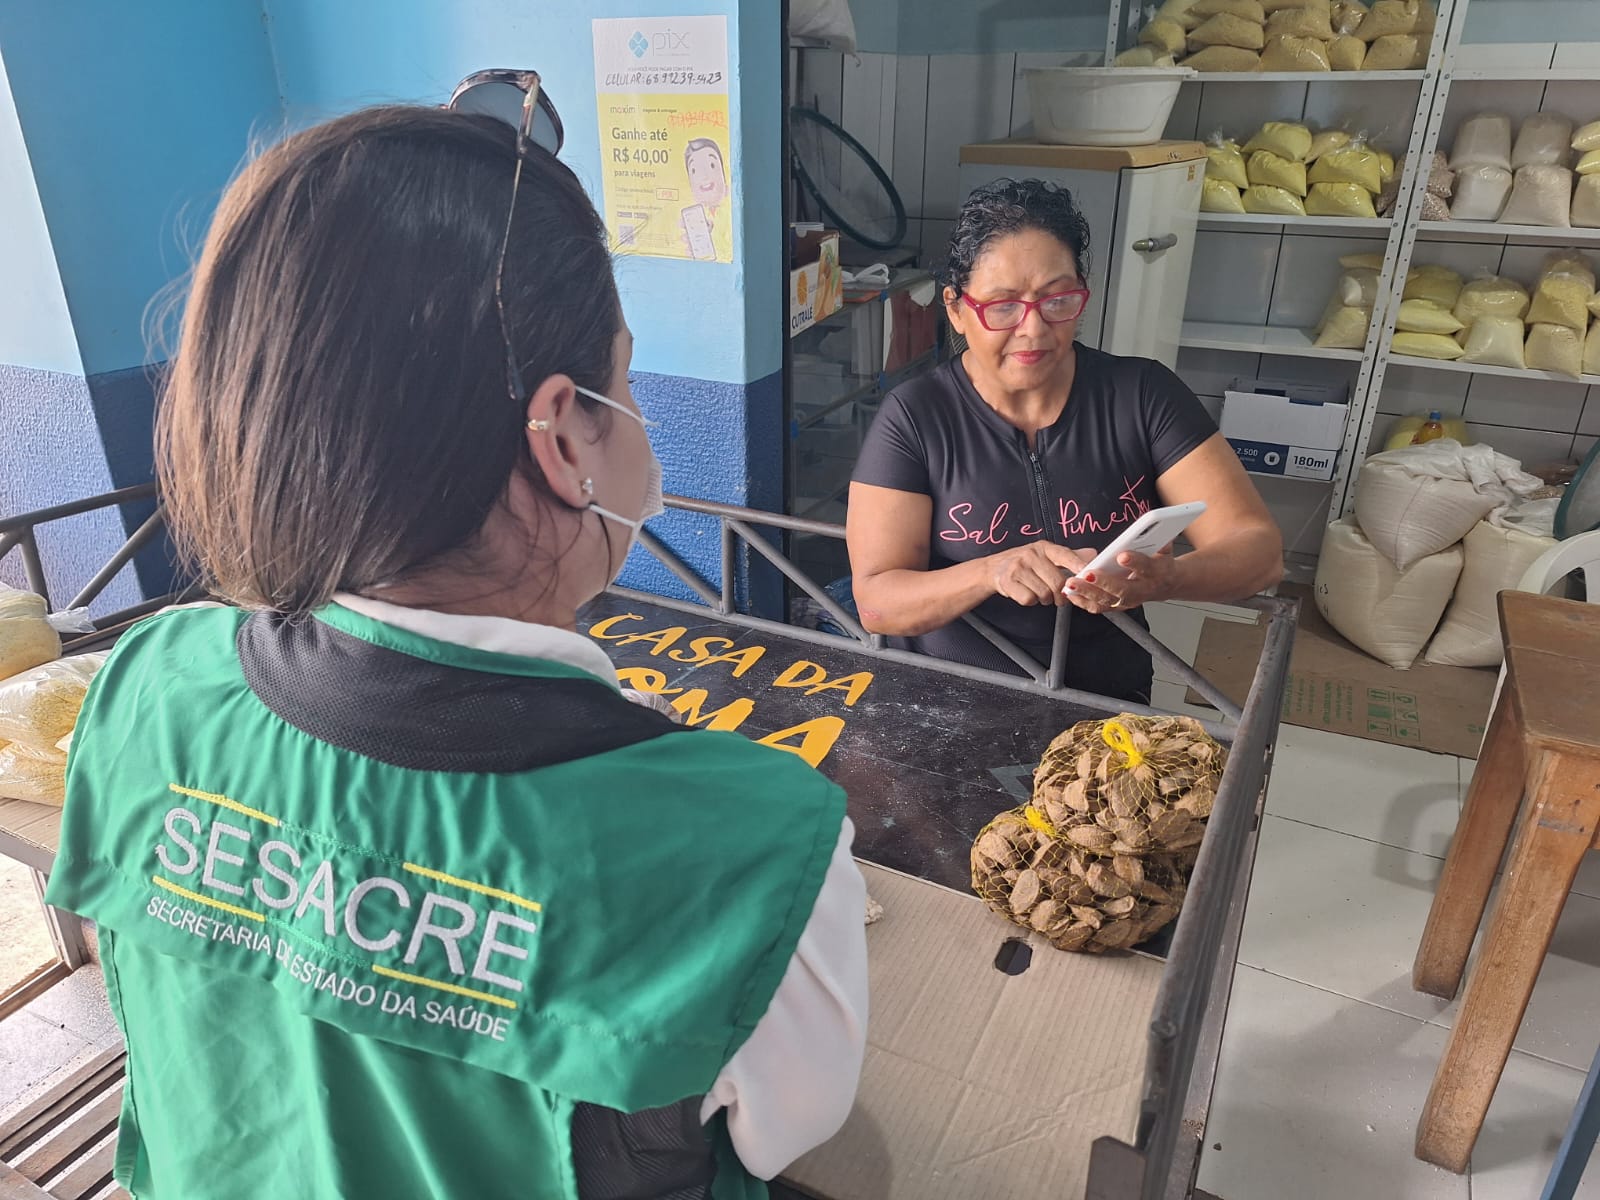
{"type": "Point", "coordinates": [1546, 63]}
{"type": "Point", "coordinates": [1268, 342]}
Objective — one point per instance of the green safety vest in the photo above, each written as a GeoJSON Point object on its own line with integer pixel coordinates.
{"type": "Point", "coordinates": [339, 977]}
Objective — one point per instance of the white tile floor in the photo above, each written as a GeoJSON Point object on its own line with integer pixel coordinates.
{"type": "Point", "coordinates": [1328, 1053]}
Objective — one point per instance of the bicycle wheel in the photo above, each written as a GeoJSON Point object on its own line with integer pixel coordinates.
{"type": "Point", "coordinates": [854, 193]}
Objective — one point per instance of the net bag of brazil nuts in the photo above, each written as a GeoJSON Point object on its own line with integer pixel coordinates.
{"type": "Point", "coordinates": [1100, 859]}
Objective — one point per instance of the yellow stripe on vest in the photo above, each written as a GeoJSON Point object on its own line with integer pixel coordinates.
{"type": "Point", "coordinates": [458, 990]}
{"type": "Point", "coordinates": [223, 801]}
{"type": "Point", "coordinates": [199, 899]}
{"type": "Point", "coordinates": [497, 893]}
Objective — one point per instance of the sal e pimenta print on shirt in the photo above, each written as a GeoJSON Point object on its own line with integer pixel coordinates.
{"type": "Point", "coordinates": [1072, 521]}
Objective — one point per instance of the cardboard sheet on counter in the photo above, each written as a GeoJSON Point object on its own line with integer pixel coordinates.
{"type": "Point", "coordinates": [979, 1083]}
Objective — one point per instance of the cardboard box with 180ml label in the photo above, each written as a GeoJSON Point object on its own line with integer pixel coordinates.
{"type": "Point", "coordinates": [1285, 428]}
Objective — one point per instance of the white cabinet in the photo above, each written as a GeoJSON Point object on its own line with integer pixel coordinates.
{"type": "Point", "coordinates": [1141, 203]}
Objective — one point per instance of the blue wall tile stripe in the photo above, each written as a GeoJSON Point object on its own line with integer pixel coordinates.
{"type": "Point", "coordinates": [52, 455]}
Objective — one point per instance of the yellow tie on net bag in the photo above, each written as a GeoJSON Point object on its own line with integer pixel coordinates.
{"type": "Point", "coordinates": [1100, 857]}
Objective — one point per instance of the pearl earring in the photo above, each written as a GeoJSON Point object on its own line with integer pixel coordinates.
{"type": "Point", "coordinates": [538, 426]}
{"type": "Point", "coordinates": [588, 487]}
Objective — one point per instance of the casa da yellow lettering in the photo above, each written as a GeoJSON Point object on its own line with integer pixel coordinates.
{"type": "Point", "coordinates": [701, 652]}
{"type": "Point", "coordinates": [813, 677]}
{"type": "Point", "coordinates": [817, 737]}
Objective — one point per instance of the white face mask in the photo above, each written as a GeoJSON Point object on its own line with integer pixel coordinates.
{"type": "Point", "coordinates": [654, 506]}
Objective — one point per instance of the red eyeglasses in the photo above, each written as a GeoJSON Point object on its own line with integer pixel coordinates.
{"type": "Point", "coordinates": [999, 315]}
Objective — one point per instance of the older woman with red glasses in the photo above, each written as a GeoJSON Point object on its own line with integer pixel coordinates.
{"type": "Point", "coordinates": [987, 484]}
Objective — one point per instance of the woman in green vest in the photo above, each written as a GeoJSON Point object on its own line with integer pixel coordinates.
{"type": "Point", "coordinates": [399, 896]}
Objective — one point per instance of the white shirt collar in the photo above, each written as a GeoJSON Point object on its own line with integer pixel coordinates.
{"type": "Point", "coordinates": [498, 635]}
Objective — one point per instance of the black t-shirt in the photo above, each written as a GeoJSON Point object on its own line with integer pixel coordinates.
{"type": "Point", "coordinates": [1093, 472]}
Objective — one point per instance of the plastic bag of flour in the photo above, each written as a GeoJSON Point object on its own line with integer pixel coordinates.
{"type": "Point", "coordinates": [1496, 557]}
{"type": "Point", "coordinates": [1384, 611]}
{"type": "Point", "coordinates": [1484, 140]}
{"type": "Point", "coordinates": [1540, 196]}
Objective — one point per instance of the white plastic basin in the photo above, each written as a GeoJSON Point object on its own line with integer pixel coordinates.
{"type": "Point", "coordinates": [1103, 106]}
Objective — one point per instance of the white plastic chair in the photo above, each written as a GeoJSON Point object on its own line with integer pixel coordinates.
{"type": "Point", "coordinates": [1578, 553]}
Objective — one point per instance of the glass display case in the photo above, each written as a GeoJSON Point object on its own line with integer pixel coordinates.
{"type": "Point", "coordinates": [842, 368]}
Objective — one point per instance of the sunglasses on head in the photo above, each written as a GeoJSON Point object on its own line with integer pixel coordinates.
{"type": "Point", "coordinates": [516, 98]}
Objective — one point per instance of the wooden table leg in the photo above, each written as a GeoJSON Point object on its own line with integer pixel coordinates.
{"type": "Point", "coordinates": [1555, 833]}
{"type": "Point", "coordinates": [1469, 868]}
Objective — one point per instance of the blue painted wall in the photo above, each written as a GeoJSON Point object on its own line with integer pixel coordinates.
{"type": "Point", "coordinates": [705, 368]}
{"type": "Point", "coordinates": [35, 327]}
{"type": "Point", "coordinates": [688, 318]}
{"type": "Point", "coordinates": [131, 148]}
{"type": "Point", "coordinates": [135, 116]}
{"type": "Point", "coordinates": [51, 451]}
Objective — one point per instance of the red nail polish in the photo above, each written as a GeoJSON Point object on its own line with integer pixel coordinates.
{"type": "Point", "coordinates": [1088, 578]}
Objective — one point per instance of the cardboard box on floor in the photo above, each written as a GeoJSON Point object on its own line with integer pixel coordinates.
{"type": "Point", "coordinates": [1335, 687]}
{"type": "Point", "coordinates": [977, 1082]}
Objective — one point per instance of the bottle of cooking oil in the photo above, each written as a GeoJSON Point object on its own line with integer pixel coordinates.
{"type": "Point", "coordinates": [1432, 429]}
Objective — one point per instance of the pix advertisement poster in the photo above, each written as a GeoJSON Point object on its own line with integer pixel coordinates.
{"type": "Point", "coordinates": [661, 84]}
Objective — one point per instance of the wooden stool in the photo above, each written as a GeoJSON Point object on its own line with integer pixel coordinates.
{"type": "Point", "coordinates": [1543, 742]}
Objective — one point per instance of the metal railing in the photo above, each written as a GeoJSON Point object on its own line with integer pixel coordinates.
{"type": "Point", "coordinates": [1186, 1023]}
{"type": "Point", "coordinates": [1185, 1034]}
{"type": "Point", "coordinates": [20, 533]}
{"type": "Point", "coordinates": [742, 525]}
